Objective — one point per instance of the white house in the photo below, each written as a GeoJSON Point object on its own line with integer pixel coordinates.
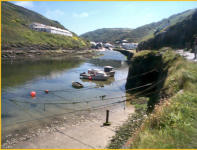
{"type": "Point", "coordinates": [124, 41]}
{"type": "Point", "coordinates": [129, 45]}
{"type": "Point", "coordinates": [108, 45]}
{"type": "Point", "coordinates": [93, 43]}
{"type": "Point", "coordinates": [53, 30]}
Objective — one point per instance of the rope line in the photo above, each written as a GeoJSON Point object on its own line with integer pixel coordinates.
{"type": "Point", "coordinates": [151, 85]}
{"type": "Point", "coordinates": [93, 87]}
{"type": "Point", "coordinates": [93, 108]}
{"type": "Point", "coordinates": [81, 101]}
{"type": "Point", "coordinates": [88, 109]}
{"type": "Point", "coordinates": [60, 114]}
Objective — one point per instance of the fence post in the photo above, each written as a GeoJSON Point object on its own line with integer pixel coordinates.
{"type": "Point", "coordinates": [107, 123]}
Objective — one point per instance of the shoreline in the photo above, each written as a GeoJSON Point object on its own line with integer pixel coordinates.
{"type": "Point", "coordinates": [77, 130]}
{"type": "Point", "coordinates": [21, 55]}
{"type": "Point", "coordinates": [46, 127]}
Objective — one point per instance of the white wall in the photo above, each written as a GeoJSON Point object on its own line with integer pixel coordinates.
{"type": "Point", "coordinates": [129, 45]}
{"type": "Point", "coordinates": [50, 29]}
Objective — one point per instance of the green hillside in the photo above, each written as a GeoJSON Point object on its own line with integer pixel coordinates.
{"type": "Point", "coordinates": [106, 34]}
{"type": "Point", "coordinates": [17, 34]}
{"type": "Point", "coordinates": [139, 34]}
{"type": "Point", "coordinates": [179, 35]}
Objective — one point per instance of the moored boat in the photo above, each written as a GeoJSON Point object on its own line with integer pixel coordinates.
{"type": "Point", "coordinates": [97, 75]}
{"type": "Point", "coordinates": [77, 85]}
{"type": "Point", "coordinates": [93, 71]}
{"type": "Point", "coordinates": [109, 71]}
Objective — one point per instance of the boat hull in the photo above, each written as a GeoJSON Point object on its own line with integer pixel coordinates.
{"type": "Point", "coordinates": [111, 73]}
{"type": "Point", "coordinates": [77, 85]}
{"type": "Point", "coordinates": [97, 78]}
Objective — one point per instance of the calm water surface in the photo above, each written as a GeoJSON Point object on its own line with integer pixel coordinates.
{"type": "Point", "coordinates": [19, 79]}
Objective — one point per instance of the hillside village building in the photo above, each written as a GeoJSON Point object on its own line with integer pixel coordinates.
{"type": "Point", "coordinates": [108, 45]}
{"type": "Point", "coordinates": [129, 45]}
{"type": "Point", "coordinates": [53, 30]}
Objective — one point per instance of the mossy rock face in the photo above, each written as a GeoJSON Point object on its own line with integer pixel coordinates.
{"type": "Point", "coordinates": [141, 63]}
{"type": "Point", "coordinates": [151, 67]}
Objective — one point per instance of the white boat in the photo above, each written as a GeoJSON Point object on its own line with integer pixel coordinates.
{"type": "Point", "coordinates": [94, 75]}
{"type": "Point", "coordinates": [109, 71]}
{"type": "Point", "coordinates": [93, 71]}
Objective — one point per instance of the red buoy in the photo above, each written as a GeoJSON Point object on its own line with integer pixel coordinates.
{"type": "Point", "coordinates": [33, 93]}
{"type": "Point", "coordinates": [90, 78]}
{"type": "Point", "coordinates": [46, 91]}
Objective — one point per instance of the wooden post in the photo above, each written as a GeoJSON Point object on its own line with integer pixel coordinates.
{"type": "Point", "coordinates": [107, 116]}
{"type": "Point", "coordinates": [107, 123]}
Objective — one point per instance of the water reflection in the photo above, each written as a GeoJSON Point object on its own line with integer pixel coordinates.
{"type": "Point", "coordinates": [17, 73]}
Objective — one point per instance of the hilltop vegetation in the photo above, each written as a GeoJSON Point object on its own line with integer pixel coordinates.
{"type": "Point", "coordinates": [139, 34]}
{"type": "Point", "coordinates": [179, 35]}
{"type": "Point", "coordinates": [16, 33]}
{"type": "Point", "coordinates": [106, 34]}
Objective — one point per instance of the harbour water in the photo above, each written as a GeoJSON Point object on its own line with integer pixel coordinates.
{"type": "Point", "coordinates": [56, 76]}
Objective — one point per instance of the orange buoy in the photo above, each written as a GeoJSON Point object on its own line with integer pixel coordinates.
{"type": "Point", "coordinates": [33, 93]}
{"type": "Point", "coordinates": [46, 91]}
{"type": "Point", "coordinates": [90, 78]}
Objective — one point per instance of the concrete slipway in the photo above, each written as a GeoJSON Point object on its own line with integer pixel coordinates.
{"type": "Point", "coordinates": [87, 133]}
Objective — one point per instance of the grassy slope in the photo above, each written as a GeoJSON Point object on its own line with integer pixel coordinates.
{"type": "Point", "coordinates": [148, 31]}
{"type": "Point", "coordinates": [139, 34]}
{"type": "Point", "coordinates": [15, 29]}
{"type": "Point", "coordinates": [173, 123]}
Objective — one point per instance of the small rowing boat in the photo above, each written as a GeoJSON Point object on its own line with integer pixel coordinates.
{"type": "Point", "coordinates": [77, 85]}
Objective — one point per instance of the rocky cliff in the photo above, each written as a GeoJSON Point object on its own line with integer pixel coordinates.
{"type": "Point", "coordinates": [180, 35]}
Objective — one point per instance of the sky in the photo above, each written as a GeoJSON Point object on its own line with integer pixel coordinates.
{"type": "Point", "coordinates": [85, 16]}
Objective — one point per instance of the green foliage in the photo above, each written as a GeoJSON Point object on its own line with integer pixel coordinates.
{"type": "Point", "coordinates": [182, 75]}
{"type": "Point", "coordinates": [16, 31]}
{"type": "Point", "coordinates": [173, 125]}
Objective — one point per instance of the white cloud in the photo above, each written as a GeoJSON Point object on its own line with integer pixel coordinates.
{"type": "Point", "coordinates": [26, 4]}
{"type": "Point", "coordinates": [81, 15]}
{"type": "Point", "coordinates": [54, 14]}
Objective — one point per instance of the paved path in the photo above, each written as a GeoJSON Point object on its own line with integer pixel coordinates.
{"type": "Point", "coordinates": [89, 134]}
{"type": "Point", "coordinates": [187, 55]}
